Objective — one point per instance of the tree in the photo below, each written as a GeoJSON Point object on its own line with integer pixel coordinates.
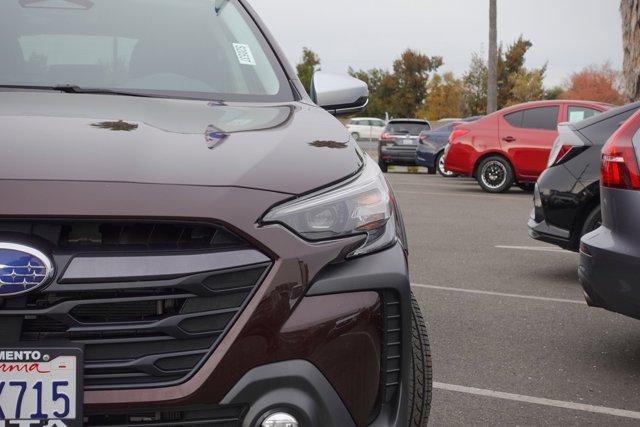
{"type": "Point", "coordinates": [444, 98]}
{"type": "Point", "coordinates": [310, 64]}
{"type": "Point", "coordinates": [595, 83]}
{"type": "Point", "coordinates": [511, 63]}
{"type": "Point", "coordinates": [526, 85]}
{"type": "Point", "coordinates": [381, 87]}
{"type": "Point", "coordinates": [401, 92]}
{"type": "Point", "coordinates": [411, 74]}
{"type": "Point", "coordinates": [492, 84]}
{"type": "Point", "coordinates": [554, 92]}
{"type": "Point", "coordinates": [630, 11]}
{"type": "Point", "coordinates": [516, 83]}
{"type": "Point", "coordinates": [475, 87]}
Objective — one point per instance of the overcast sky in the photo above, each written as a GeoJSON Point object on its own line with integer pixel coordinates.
{"type": "Point", "coordinates": [568, 34]}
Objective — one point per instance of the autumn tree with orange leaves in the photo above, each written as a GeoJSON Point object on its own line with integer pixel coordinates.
{"type": "Point", "coordinates": [595, 83]}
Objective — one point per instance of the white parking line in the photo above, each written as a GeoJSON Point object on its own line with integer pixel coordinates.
{"type": "Point", "coordinates": [457, 194]}
{"type": "Point", "coordinates": [535, 248]}
{"type": "Point", "coordinates": [448, 185]}
{"type": "Point", "coordinates": [538, 400]}
{"type": "Point", "coordinates": [498, 294]}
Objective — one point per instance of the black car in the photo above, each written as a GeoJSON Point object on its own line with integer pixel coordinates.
{"type": "Point", "coordinates": [399, 142]}
{"type": "Point", "coordinates": [610, 255]}
{"type": "Point", "coordinates": [567, 194]}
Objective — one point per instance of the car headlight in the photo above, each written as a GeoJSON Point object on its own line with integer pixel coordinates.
{"type": "Point", "coordinates": [363, 205]}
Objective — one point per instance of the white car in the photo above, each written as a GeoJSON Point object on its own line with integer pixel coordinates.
{"type": "Point", "coordinates": [365, 128]}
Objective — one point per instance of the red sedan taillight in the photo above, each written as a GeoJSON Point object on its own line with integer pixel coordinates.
{"type": "Point", "coordinates": [619, 161]}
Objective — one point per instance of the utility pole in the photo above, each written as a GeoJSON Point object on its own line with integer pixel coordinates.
{"type": "Point", "coordinates": [492, 83]}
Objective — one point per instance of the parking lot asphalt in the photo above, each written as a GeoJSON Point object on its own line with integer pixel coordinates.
{"type": "Point", "coordinates": [512, 340]}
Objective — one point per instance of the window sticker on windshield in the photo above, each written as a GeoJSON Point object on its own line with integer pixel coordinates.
{"type": "Point", "coordinates": [243, 52]}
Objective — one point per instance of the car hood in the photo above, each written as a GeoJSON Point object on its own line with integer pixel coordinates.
{"type": "Point", "coordinates": [290, 148]}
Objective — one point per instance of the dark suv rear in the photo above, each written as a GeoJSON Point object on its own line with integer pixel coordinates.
{"type": "Point", "coordinates": [186, 237]}
{"type": "Point", "coordinates": [398, 143]}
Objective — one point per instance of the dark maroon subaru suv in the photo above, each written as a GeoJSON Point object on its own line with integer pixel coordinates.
{"type": "Point", "coordinates": [188, 238]}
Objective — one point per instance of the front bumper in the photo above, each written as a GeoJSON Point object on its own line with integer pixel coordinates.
{"type": "Point", "coordinates": [306, 309]}
{"type": "Point", "coordinates": [542, 231]}
{"type": "Point", "coordinates": [398, 155]}
{"type": "Point", "coordinates": [609, 271]}
{"type": "Point", "coordinates": [331, 360]}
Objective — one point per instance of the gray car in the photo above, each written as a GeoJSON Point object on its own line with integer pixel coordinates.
{"type": "Point", "coordinates": [399, 142]}
{"type": "Point", "coordinates": [610, 255]}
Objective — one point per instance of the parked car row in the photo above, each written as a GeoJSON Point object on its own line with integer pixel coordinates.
{"type": "Point", "coordinates": [567, 194]}
{"type": "Point", "coordinates": [588, 200]}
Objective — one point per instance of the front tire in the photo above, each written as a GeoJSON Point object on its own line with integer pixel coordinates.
{"type": "Point", "coordinates": [495, 175]}
{"type": "Point", "coordinates": [421, 374]}
{"type": "Point", "coordinates": [440, 167]}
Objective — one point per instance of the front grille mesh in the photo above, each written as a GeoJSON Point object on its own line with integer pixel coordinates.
{"type": "Point", "coordinates": [146, 332]}
{"type": "Point", "coordinates": [158, 339]}
{"type": "Point", "coordinates": [219, 416]}
{"type": "Point", "coordinates": [92, 235]}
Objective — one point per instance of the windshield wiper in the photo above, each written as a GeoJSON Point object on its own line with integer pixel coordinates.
{"type": "Point", "coordinates": [79, 89]}
{"type": "Point", "coordinates": [118, 92]}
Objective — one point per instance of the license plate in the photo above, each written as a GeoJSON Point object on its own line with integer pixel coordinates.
{"type": "Point", "coordinates": [408, 141]}
{"type": "Point", "coordinates": [40, 387]}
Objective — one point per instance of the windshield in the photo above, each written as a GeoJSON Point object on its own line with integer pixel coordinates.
{"type": "Point", "coordinates": [408, 128]}
{"type": "Point", "coordinates": [205, 49]}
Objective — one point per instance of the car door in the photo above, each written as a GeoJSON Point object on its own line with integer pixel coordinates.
{"type": "Point", "coordinates": [527, 137]}
{"type": "Point", "coordinates": [355, 126]}
{"type": "Point", "coordinates": [377, 127]}
{"type": "Point", "coordinates": [365, 126]}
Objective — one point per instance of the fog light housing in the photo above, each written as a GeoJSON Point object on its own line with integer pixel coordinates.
{"type": "Point", "coordinates": [280, 419]}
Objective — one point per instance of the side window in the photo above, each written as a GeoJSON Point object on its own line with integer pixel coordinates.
{"type": "Point", "coordinates": [541, 118]}
{"type": "Point", "coordinates": [378, 123]}
{"type": "Point", "coordinates": [578, 114]}
{"type": "Point", "coordinates": [356, 122]}
{"type": "Point", "coordinates": [515, 119]}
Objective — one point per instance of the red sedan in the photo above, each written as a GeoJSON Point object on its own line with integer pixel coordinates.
{"type": "Point", "coordinates": [512, 145]}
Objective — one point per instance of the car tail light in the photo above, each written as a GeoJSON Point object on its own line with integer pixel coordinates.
{"type": "Point", "coordinates": [561, 153]}
{"type": "Point", "coordinates": [457, 134]}
{"type": "Point", "coordinates": [423, 138]}
{"type": "Point", "coordinates": [619, 160]}
{"type": "Point", "coordinates": [386, 136]}
{"type": "Point", "coordinates": [566, 146]}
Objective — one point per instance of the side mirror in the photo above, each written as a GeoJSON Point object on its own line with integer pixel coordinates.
{"type": "Point", "coordinates": [339, 94]}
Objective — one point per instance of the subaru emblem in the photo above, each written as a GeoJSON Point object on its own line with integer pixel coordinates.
{"type": "Point", "coordinates": [22, 269]}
